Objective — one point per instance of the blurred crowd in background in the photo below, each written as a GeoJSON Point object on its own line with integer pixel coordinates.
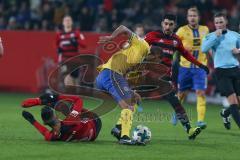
{"type": "Point", "coordinates": [105, 15]}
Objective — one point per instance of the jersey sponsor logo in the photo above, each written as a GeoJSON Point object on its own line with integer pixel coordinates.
{"type": "Point", "coordinates": [168, 51]}
{"type": "Point", "coordinates": [66, 42]}
{"type": "Point", "coordinates": [196, 42]}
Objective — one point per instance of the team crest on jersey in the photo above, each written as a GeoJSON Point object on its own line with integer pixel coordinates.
{"type": "Point", "coordinates": [62, 37]}
{"type": "Point", "coordinates": [175, 43]}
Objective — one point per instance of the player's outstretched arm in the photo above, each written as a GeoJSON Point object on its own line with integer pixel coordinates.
{"type": "Point", "coordinates": [186, 54]}
{"type": "Point", "coordinates": [44, 99]}
{"type": "Point", "coordinates": [31, 102]}
{"type": "Point", "coordinates": [119, 31]}
{"type": "Point", "coordinates": [43, 130]}
{"type": "Point", "coordinates": [81, 40]}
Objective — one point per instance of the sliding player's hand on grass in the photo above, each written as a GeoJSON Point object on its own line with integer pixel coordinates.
{"type": "Point", "coordinates": [28, 116]}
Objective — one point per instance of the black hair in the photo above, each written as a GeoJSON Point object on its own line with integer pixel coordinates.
{"type": "Point", "coordinates": [170, 16]}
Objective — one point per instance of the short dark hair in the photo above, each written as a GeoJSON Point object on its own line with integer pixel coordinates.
{"type": "Point", "coordinates": [220, 14]}
{"type": "Point", "coordinates": [170, 16]}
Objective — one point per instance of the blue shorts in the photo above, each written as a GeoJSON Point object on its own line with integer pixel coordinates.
{"type": "Point", "coordinates": [192, 78]}
{"type": "Point", "coordinates": [115, 84]}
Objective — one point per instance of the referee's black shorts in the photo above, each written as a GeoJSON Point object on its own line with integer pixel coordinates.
{"type": "Point", "coordinates": [228, 81]}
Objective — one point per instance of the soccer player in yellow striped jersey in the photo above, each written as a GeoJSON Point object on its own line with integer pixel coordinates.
{"type": "Point", "coordinates": [190, 76]}
{"type": "Point", "coordinates": [111, 79]}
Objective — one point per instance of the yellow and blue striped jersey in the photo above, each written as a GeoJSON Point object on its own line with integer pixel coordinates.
{"type": "Point", "coordinates": [192, 40]}
{"type": "Point", "coordinates": [125, 58]}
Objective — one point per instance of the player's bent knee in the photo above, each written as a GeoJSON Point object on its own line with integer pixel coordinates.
{"type": "Point", "coordinates": [181, 95]}
{"type": "Point", "coordinates": [200, 93]}
{"type": "Point", "coordinates": [123, 104]}
{"type": "Point", "coordinates": [232, 99]}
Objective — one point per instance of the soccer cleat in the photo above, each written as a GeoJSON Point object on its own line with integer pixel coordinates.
{"type": "Point", "coordinates": [174, 119]}
{"type": "Point", "coordinates": [116, 132]}
{"type": "Point", "coordinates": [125, 140]}
{"type": "Point", "coordinates": [193, 132]}
{"type": "Point", "coordinates": [202, 124]}
{"type": "Point", "coordinates": [226, 119]}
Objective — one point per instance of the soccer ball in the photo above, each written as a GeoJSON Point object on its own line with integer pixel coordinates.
{"type": "Point", "coordinates": [142, 134]}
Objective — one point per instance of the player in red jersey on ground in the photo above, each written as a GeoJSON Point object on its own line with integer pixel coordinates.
{"type": "Point", "coordinates": [79, 124]}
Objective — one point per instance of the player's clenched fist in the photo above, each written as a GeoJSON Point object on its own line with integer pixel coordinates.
{"type": "Point", "coordinates": [236, 51]}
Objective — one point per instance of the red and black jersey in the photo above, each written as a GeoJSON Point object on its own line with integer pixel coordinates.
{"type": "Point", "coordinates": [74, 130]}
{"type": "Point", "coordinates": [169, 44]}
{"type": "Point", "coordinates": [73, 127]}
{"type": "Point", "coordinates": [68, 43]}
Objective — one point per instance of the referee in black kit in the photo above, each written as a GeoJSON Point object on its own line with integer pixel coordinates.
{"type": "Point", "coordinates": [225, 46]}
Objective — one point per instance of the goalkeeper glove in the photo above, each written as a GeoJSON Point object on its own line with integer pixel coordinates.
{"type": "Point", "coordinates": [205, 68]}
{"type": "Point", "coordinates": [28, 116]}
{"type": "Point", "coordinates": [48, 98]}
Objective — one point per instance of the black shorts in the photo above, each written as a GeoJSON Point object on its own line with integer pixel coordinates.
{"type": "Point", "coordinates": [98, 124]}
{"type": "Point", "coordinates": [228, 81]}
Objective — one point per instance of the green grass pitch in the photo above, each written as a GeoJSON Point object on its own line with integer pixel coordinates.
{"type": "Point", "coordinates": [19, 140]}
